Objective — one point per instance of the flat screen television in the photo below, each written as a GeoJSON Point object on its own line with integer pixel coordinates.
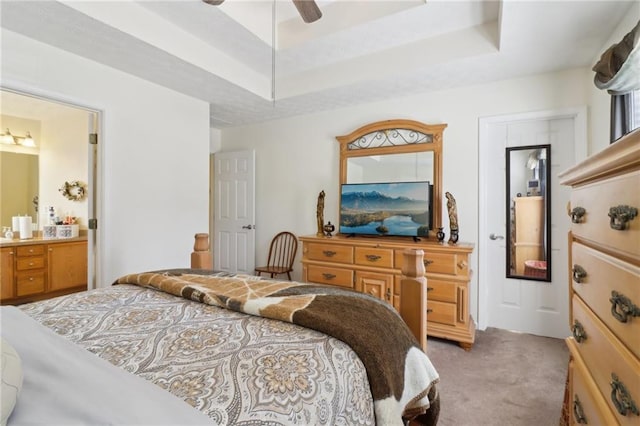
{"type": "Point", "coordinates": [391, 209]}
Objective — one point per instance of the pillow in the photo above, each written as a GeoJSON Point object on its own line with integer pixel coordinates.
{"type": "Point", "coordinates": [11, 370]}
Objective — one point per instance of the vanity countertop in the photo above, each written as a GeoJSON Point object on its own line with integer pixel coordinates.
{"type": "Point", "coordinates": [5, 242]}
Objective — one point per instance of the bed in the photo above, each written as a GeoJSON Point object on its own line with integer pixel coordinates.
{"type": "Point", "coordinates": [240, 349]}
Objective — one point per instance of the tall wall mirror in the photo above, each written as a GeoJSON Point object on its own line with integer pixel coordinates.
{"type": "Point", "coordinates": [394, 152]}
{"type": "Point", "coordinates": [528, 212]}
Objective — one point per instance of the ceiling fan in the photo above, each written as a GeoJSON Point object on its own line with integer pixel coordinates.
{"type": "Point", "coordinates": [308, 9]}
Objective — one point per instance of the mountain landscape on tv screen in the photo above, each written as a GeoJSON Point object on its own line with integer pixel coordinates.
{"type": "Point", "coordinates": [374, 200]}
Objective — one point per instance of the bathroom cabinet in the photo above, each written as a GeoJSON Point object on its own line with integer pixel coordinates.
{"type": "Point", "coordinates": [41, 269]}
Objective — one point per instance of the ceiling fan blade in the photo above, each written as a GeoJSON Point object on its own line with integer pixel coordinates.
{"type": "Point", "coordinates": [308, 9]}
{"type": "Point", "coordinates": [213, 2]}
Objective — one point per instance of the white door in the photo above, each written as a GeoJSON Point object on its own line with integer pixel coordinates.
{"type": "Point", "coordinates": [234, 212]}
{"type": "Point", "coordinates": [528, 306]}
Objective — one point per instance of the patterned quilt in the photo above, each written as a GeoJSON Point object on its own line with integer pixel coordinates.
{"type": "Point", "coordinates": [401, 377]}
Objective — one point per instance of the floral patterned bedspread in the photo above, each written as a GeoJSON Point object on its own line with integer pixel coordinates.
{"type": "Point", "coordinates": [236, 368]}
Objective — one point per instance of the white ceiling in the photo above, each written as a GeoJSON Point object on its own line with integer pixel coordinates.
{"type": "Point", "coordinates": [359, 51]}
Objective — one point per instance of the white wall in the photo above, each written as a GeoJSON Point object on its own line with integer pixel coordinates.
{"type": "Point", "coordinates": [298, 157]}
{"type": "Point", "coordinates": [63, 158]}
{"type": "Point", "coordinates": [154, 154]}
{"type": "Point", "coordinates": [600, 100]}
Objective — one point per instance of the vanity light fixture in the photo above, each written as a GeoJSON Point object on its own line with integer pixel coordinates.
{"type": "Point", "coordinates": [9, 139]}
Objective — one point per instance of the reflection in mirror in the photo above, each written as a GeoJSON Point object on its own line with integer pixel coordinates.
{"type": "Point", "coordinates": [18, 185]}
{"type": "Point", "coordinates": [528, 212]}
{"type": "Point", "coordinates": [408, 167]}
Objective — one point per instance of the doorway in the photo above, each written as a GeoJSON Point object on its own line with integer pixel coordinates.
{"type": "Point", "coordinates": [234, 212]}
{"type": "Point", "coordinates": [66, 152]}
{"type": "Point", "coordinates": [535, 307]}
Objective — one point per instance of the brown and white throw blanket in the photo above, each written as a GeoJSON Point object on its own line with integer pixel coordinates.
{"type": "Point", "coordinates": [400, 375]}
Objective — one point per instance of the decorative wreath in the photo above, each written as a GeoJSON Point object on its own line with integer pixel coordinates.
{"type": "Point", "coordinates": [74, 191]}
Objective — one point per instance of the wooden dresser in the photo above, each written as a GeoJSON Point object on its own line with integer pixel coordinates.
{"type": "Point", "coordinates": [604, 277]}
{"type": "Point", "coordinates": [40, 269]}
{"type": "Point", "coordinates": [373, 265]}
{"type": "Point", "coordinates": [527, 242]}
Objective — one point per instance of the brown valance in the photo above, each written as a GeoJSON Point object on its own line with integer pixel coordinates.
{"type": "Point", "coordinates": [618, 70]}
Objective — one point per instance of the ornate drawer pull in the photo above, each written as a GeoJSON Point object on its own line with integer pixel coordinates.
{"type": "Point", "coordinates": [427, 262]}
{"type": "Point", "coordinates": [577, 214]}
{"type": "Point", "coordinates": [372, 257]}
{"type": "Point", "coordinates": [622, 307]}
{"type": "Point", "coordinates": [578, 273]}
{"type": "Point", "coordinates": [578, 413]}
{"type": "Point", "coordinates": [329, 253]}
{"type": "Point", "coordinates": [328, 276]}
{"type": "Point", "coordinates": [621, 398]}
{"type": "Point", "coordinates": [578, 332]}
{"type": "Point", "coordinates": [621, 216]}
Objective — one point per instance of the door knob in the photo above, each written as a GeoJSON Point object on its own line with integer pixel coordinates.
{"type": "Point", "coordinates": [247, 227]}
{"type": "Point", "coordinates": [495, 237]}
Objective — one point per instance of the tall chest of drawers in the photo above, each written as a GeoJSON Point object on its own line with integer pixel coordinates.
{"type": "Point", "coordinates": [373, 266]}
{"type": "Point", "coordinates": [604, 285]}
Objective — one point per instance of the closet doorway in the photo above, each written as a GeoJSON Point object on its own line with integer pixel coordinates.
{"type": "Point", "coordinates": [505, 301]}
{"type": "Point", "coordinates": [66, 150]}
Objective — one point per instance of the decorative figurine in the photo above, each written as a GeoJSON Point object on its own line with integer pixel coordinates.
{"type": "Point", "coordinates": [320, 214]}
{"type": "Point", "coordinates": [440, 235]}
{"type": "Point", "coordinates": [453, 218]}
{"type": "Point", "coordinates": [329, 228]}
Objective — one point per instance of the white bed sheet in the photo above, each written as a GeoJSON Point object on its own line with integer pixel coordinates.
{"type": "Point", "coordinates": [65, 384]}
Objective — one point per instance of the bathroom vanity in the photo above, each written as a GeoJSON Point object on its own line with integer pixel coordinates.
{"type": "Point", "coordinates": [37, 269]}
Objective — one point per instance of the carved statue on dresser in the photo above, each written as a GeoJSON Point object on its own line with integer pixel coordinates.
{"type": "Point", "coordinates": [320, 214]}
{"type": "Point", "coordinates": [453, 218]}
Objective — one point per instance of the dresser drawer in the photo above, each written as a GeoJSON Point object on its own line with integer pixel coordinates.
{"type": "Point", "coordinates": [441, 290]}
{"type": "Point", "coordinates": [445, 263]}
{"type": "Point", "coordinates": [440, 312]}
{"type": "Point", "coordinates": [609, 286]}
{"type": "Point", "coordinates": [28, 283]}
{"type": "Point", "coordinates": [596, 199]}
{"type": "Point", "coordinates": [371, 256]}
{"type": "Point", "coordinates": [606, 359]}
{"type": "Point", "coordinates": [332, 276]}
{"type": "Point", "coordinates": [26, 263]}
{"type": "Point", "coordinates": [329, 252]}
{"type": "Point", "coordinates": [34, 250]}
{"type": "Point", "coordinates": [587, 404]}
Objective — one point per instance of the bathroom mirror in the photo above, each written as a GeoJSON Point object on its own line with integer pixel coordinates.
{"type": "Point", "coordinates": [19, 175]}
{"type": "Point", "coordinates": [528, 212]}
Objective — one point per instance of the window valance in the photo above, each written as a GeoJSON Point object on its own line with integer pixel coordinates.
{"type": "Point", "coordinates": [618, 70]}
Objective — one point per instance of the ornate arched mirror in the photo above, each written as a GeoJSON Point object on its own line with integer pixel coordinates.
{"type": "Point", "coordinates": [396, 154]}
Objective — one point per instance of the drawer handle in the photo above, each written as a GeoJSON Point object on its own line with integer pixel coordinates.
{"type": "Point", "coordinates": [429, 311]}
{"type": "Point", "coordinates": [578, 412]}
{"type": "Point", "coordinates": [329, 253]}
{"type": "Point", "coordinates": [579, 273]}
{"type": "Point", "coordinates": [373, 257]}
{"type": "Point", "coordinates": [622, 307]}
{"type": "Point", "coordinates": [429, 289]}
{"type": "Point", "coordinates": [388, 294]}
{"type": "Point", "coordinates": [427, 262]}
{"type": "Point", "coordinates": [328, 276]}
{"type": "Point", "coordinates": [577, 214]}
{"type": "Point", "coordinates": [621, 398]}
{"type": "Point", "coordinates": [578, 332]}
{"type": "Point", "coordinates": [462, 264]}
{"type": "Point", "coordinates": [621, 216]}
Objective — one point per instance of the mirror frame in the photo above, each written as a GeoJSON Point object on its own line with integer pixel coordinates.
{"type": "Point", "coordinates": [546, 243]}
{"type": "Point", "coordinates": [347, 150]}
